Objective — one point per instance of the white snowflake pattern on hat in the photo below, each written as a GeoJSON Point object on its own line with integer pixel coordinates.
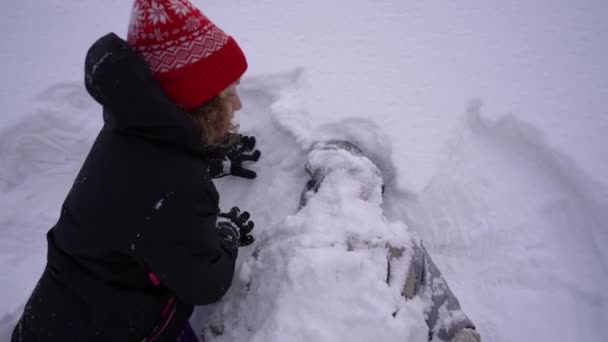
{"type": "Point", "coordinates": [180, 8]}
{"type": "Point", "coordinates": [138, 15]}
{"type": "Point", "coordinates": [192, 24]}
{"type": "Point", "coordinates": [159, 35]}
{"type": "Point", "coordinates": [157, 13]}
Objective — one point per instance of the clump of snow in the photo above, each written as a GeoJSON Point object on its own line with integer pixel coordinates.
{"type": "Point", "coordinates": [322, 159]}
{"type": "Point", "coordinates": [159, 204]}
{"type": "Point", "coordinates": [97, 64]}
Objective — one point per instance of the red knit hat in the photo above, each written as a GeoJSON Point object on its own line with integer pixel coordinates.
{"type": "Point", "coordinates": [193, 59]}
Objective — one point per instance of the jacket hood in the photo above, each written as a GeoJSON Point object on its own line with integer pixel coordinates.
{"type": "Point", "coordinates": [132, 99]}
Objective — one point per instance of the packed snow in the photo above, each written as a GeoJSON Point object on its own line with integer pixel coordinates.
{"type": "Point", "coordinates": [487, 120]}
{"type": "Point", "coordinates": [323, 271]}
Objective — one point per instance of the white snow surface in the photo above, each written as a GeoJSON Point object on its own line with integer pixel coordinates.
{"type": "Point", "coordinates": [510, 197]}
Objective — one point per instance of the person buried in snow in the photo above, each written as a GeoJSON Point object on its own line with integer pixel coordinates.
{"type": "Point", "coordinates": [140, 239]}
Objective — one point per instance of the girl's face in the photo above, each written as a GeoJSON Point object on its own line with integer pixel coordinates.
{"type": "Point", "coordinates": [231, 96]}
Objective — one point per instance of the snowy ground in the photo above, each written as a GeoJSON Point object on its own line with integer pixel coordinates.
{"type": "Point", "coordinates": [511, 197]}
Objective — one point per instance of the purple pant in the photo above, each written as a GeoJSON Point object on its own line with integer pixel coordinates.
{"type": "Point", "coordinates": [187, 335]}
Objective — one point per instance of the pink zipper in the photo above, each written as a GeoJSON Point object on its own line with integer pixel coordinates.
{"type": "Point", "coordinates": [159, 330]}
{"type": "Point", "coordinates": [169, 306]}
{"type": "Point", "coordinates": [154, 279]}
{"type": "Point", "coordinates": [169, 303]}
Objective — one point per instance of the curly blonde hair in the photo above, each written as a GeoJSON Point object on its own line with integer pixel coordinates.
{"type": "Point", "coordinates": [213, 121]}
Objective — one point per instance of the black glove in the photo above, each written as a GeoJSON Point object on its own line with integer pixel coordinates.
{"type": "Point", "coordinates": [235, 227]}
{"type": "Point", "coordinates": [230, 162]}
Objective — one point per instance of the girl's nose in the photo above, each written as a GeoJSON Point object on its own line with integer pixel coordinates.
{"type": "Point", "coordinates": [236, 103]}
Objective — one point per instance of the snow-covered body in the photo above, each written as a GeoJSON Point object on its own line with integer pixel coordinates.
{"type": "Point", "coordinates": [337, 269]}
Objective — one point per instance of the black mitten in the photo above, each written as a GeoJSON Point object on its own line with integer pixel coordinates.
{"type": "Point", "coordinates": [235, 226]}
{"type": "Point", "coordinates": [240, 150]}
{"type": "Point", "coordinates": [240, 226]}
{"type": "Point", "coordinates": [229, 233]}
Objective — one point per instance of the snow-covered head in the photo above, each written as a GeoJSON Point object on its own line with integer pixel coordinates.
{"type": "Point", "coordinates": [193, 59]}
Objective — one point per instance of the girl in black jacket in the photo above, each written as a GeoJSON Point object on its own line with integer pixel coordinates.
{"type": "Point", "coordinates": [138, 243]}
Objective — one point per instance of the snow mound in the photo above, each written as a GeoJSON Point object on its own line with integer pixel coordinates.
{"type": "Point", "coordinates": [53, 139]}
{"type": "Point", "coordinates": [514, 224]}
{"type": "Point", "coordinates": [322, 274]}
{"type": "Point", "coordinates": [41, 154]}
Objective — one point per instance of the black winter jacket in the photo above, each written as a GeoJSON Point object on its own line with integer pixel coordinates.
{"type": "Point", "coordinates": [135, 247]}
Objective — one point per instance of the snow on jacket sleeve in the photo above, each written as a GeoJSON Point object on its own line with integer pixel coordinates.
{"type": "Point", "coordinates": [183, 250]}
